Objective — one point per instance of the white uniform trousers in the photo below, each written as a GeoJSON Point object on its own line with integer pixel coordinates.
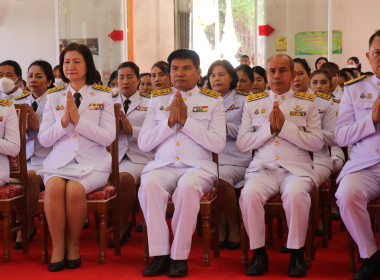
{"type": "Point", "coordinates": [186, 185]}
{"type": "Point", "coordinates": [322, 173]}
{"type": "Point", "coordinates": [261, 186]}
{"type": "Point", "coordinates": [354, 192]}
{"type": "Point", "coordinates": [2, 183]}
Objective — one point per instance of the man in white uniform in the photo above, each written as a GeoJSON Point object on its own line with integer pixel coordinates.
{"type": "Point", "coordinates": [358, 125]}
{"type": "Point", "coordinates": [10, 80]}
{"type": "Point", "coordinates": [281, 126]}
{"type": "Point", "coordinates": [185, 125]}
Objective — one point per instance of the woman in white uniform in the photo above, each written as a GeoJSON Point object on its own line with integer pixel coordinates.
{"type": "Point", "coordinates": [132, 161]}
{"type": "Point", "coordinates": [232, 162]}
{"type": "Point", "coordinates": [40, 78]}
{"type": "Point", "coordinates": [79, 123]}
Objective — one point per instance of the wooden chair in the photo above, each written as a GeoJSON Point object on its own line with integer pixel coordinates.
{"type": "Point", "coordinates": [373, 208]}
{"type": "Point", "coordinates": [13, 195]}
{"type": "Point", "coordinates": [274, 208]}
{"type": "Point", "coordinates": [209, 216]}
{"type": "Point", "coordinates": [102, 202]}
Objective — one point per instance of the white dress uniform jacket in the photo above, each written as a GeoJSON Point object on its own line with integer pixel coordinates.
{"type": "Point", "coordinates": [204, 131]}
{"type": "Point", "coordinates": [86, 141]}
{"type": "Point", "coordinates": [136, 115]}
{"type": "Point", "coordinates": [9, 137]}
{"type": "Point", "coordinates": [301, 133]}
{"type": "Point", "coordinates": [12, 96]}
{"type": "Point", "coordinates": [35, 152]}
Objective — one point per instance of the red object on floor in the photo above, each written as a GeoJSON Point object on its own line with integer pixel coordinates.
{"type": "Point", "coordinates": [330, 263]}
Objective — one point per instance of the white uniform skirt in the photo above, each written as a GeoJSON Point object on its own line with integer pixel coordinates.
{"type": "Point", "coordinates": [135, 169]}
{"type": "Point", "coordinates": [232, 174]}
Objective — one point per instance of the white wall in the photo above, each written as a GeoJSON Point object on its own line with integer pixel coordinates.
{"type": "Point", "coordinates": [27, 31]}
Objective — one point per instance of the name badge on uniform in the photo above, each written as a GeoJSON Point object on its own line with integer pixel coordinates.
{"type": "Point", "coordinates": [233, 107]}
{"type": "Point", "coordinates": [1, 118]}
{"type": "Point", "coordinates": [60, 108]}
{"type": "Point", "coordinates": [96, 106]}
{"type": "Point", "coordinates": [200, 109]}
{"type": "Point", "coordinates": [321, 110]}
{"type": "Point", "coordinates": [141, 108]}
{"type": "Point", "coordinates": [297, 111]}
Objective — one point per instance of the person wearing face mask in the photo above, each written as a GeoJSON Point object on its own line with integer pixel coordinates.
{"type": "Point", "coordinates": [58, 77]}
{"type": "Point", "coordinates": [232, 163]}
{"type": "Point", "coordinates": [132, 159]}
{"type": "Point", "coordinates": [10, 79]}
{"type": "Point", "coordinates": [353, 63]}
{"type": "Point", "coordinates": [40, 78]}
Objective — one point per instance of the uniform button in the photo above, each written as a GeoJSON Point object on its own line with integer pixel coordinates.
{"type": "Point", "coordinates": [177, 143]}
{"type": "Point", "coordinates": [179, 129]}
{"type": "Point", "coordinates": [184, 99]}
{"type": "Point", "coordinates": [75, 136]}
{"type": "Point", "coordinates": [276, 158]}
{"type": "Point", "coordinates": [75, 152]}
{"type": "Point", "coordinates": [276, 143]}
{"type": "Point", "coordinates": [282, 97]}
{"type": "Point", "coordinates": [126, 146]}
{"type": "Point", "coordinates": [190, 94]}
{"type": "Point", "coordinates": [177, 158]}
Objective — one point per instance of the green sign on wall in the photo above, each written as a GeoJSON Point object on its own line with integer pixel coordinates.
{"type": "Point", "coordinates": [316, 42]}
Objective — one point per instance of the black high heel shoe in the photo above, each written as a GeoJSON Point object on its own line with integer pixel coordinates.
{"type": "Point", "coordinates": [73, 264]}
{"type": "Point", "coordinates": [57, 266]}
{"type": "Point", "coordinates": [18, 244]}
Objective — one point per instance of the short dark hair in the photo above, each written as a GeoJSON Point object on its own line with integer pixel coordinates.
{"type": "Point", "coordinates": [304, 64]}
{"type": "Point", "coordinates": [112, 77]}
{"type": "Point", "coordinates": [229, 68]}
{"type": "Point", "coordinates": [291, 63]}
{"type": "Point", "coordinates": [131, 65]}
{"type": "Point", "coordinates": [260, 71]}
{"type": "Point", "coordinates": [46, 68]}
{"type": "Point", "coordinates": [91, 75]}
{"type": "Point", "coordinates": [318, 59]}
{"type": "Point", "coordinates": [342, 73]}
{"type": "Point", "coordinates": [15, 66]}
{"type": "Point", "coordinates": [246, 69]}
{"type": "Point", "coordinates": [202, 82]}
{"type": "Point", "coordinates": [377, 33]}
{"type": "Point", "coordinates": [98, 79]}
{"type": "Point", "coordinates": [184, 54]}
{"type": "Point", "coordinates": [163, 66]}
{"type": "Point", "coordinates": [145, 74]}
{"type": "Point", "coordinates": [324, 72]}
{"type": "Point", "coordinates": [331, 67]}
{"type": "Point", "coordinates": [349, 70]}
{"type": "Point", "coordinates": [244, 56]}
{"type": "Point", "coordinates": [56, 67]}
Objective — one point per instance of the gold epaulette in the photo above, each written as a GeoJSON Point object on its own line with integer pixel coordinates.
{"type": "Point", "coordinates": [350, 82]}
{"type": "Point", "coordinates": [323, 95]}
{"type": "Point", "coordinates": [115, 95]}
{"type": "Point", "coordinates": [102, 88]}
{"type": "Point", "coordinates": [23, 96]}
{"type": "Point", "coordinates": [160, 92]}
{"type": "Point", "coordinates": [242, 92]}
{"type": "Point", "coordinates": [304, 95]}
{"type": "Point", "coordinates": [25, 91]}
{"type": "Point", "coordinates": [256, 96]}
{"type": "Point", "coordinates": [146, 95]}
{"type": "Point", "coordinates": [6, 103]}
{"type": "Point", "coordinates": [210, 92]}
{"type": "Point", "coordinates": [54, 89]}
{"type": "Point", "coordinates": [336, 100]}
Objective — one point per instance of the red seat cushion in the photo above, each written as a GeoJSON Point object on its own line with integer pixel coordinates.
{"type": "Point", "coordinates": [209, 196]}
{"type": "Point", "coordinates": [99, 194]}
{"type": "Point", "coordinates": [14, 164]}
{"type": "Point", "coordinates": [102, 194]}
{"type": "Point", "coordinates": [11, 191]}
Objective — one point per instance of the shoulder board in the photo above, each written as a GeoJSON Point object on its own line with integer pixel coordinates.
{"type": "Point", "coordinates": [160, 92]}
{"type": "Point", "coordinates": [115, 95]}
{"type": "Point", "coordinates": [242, 92]}
{"type": "Point", "coordinates": [257, 96]}
{"type": "Point", "coordinates": [304, 95]}
{"type": "Point", "coordinates": [102, 88]}
{"type": "Point", "coordinates": [146, 95]}
{"type": "Point", "coordinates": [23, 96]}
{"type": "Point", "coordinates": [323, 95]}
{"type": "Point", "coordinates": [54, 89]}
{"type": "Point", "coordinates": [25, 91]}
{"type": "Point", "coordinates": [350, 82]}
{"type": "Point", "coordinates": [336, 100]}
{"type": "Point", "coordinates": [6, 103]}
{"type": "Point", "coordinates": [210, 92]}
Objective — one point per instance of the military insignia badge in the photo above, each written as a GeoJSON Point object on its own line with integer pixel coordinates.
{"type": "Point", "coordinates": [369, 96]}
{"type": "Point", "coordinates": [297, 111]}
{"type": "Point", "coordinates": [96, 106]}
{"type": "Point", "coordinates": [162, 108]}
{"type": "Point", "coordinates": [58, 108]}
{"type": "Point", "coordinates": [321, 110]}
{"type": "Point", "coordinates": [141, 108]}
{"type": "Point", "coordinates": [257, 111]}
{"type": "Point", "coordinates": [200, 109]}
{"type": "Point", "coordinates": [64, 94]}
{"type": "Point", "coordinates": [282, 97]}
{"type": "Point", "coordinates": [263, 111]}
{"type": "Point", "coordinates": [233, 107]}
{"type": "Point", "coordinates": [362, 95]}
{"type": "Point", "coordinates": [61, 108]}
{"type": "Point", "coordinates": [1, 118]}
{"type": "Point", "coordinates": [167, 108]}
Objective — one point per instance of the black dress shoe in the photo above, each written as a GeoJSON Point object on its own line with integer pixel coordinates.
{"type": "Point", "coordinates": [178, 268]}
{"type": "Point", "coordinates": [319, 232]}
{"type": "Point", "coordinates": [73, 264]}
{"type": "Point", "coordinates": [258, 265]}
{"type": "Point", "coordinates": [139, 228]}
{"type": "Point", "coordinates": [297, 266]}
{"type": "Point", "coordinates": [370, 268]}
{"type": "Point", "coordinates": [335, 216]}
{"type": "Point", "coordinates": [233, 245]}
{"type": "Point", "coordinates": [86, 223]}
{"type": "Point", "coordinates": [123, 239]}
{"type": "Point", "coordinates": [57, 266]}
{"type": "Point", "coordinates": [18, 244]}
{"type": "Point", "coordinates": [284, 250]}
{"type": "Point", "coordinates": [158, 266]}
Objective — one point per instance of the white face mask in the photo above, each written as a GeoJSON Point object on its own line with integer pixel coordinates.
{"type": "Point", "coordinates": [351, 66]}
{"type": "Point", "coordinates": [7, 85]}
{"type": "Point", "coordinates": [115, 90]}
{"type": "Point", "coordinates": [58, 82]}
